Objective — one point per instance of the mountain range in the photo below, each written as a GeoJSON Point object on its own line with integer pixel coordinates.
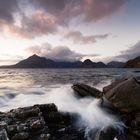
{"type": "Point", "coordinates": [36, 61]}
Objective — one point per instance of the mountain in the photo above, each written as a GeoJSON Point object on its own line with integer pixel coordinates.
{"type": "Point", "coordinates": [115, 64]}
{"type": "Point", "coordinates": [89, 64]}
{"type": "Point", "coordinates": [133, 63]}
{"type": "Point", "coordinates": [36, 61]}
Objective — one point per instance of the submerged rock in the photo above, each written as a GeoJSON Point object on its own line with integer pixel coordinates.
{"type": "Point", "coordinates": [84, 91]}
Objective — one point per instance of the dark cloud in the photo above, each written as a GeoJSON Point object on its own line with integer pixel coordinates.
{"type": "Point", "coordinates": [78, 37]}
{"type": "Point", "coordinates": [31, 24]}
{"type": "Point", "coordinates": [130, 53]}
{"type": "Point", "coordinates": [38, 24]}
{"type": "Point", "coordinates": [58, 53]}
{"type": "Point", "coordinates": [98, 9]}
{"type": "Point", "coordinates": [63, 10]}
{"type": "Point", "coordinates": [91, 10]}
{"type": "Point", "coordinates": [40, 17]}
{"type": "Point", "coordinates": [7, 9]}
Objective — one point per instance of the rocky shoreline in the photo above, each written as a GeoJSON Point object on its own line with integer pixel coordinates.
{"type": "Point", "coordinates": [46, 122]}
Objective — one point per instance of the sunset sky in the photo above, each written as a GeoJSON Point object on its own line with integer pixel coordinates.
{"type": "Point", "coordinates": [70, 30]}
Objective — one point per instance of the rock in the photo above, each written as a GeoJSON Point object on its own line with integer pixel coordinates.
{"type": "Point", "coordinates": [84, 91]}
{"type": "Point", "coordinates": [44, 136]}
{"type": "Point", "coordinates": [20, 136]}
{"type": "Point", "coordinates": [3, 124]}
{"type": "Point", "coordinates": [47, 108]}
{"type": "Point", "coordinates": [59, 118]}
{"type": "Point", "coordinates": [124, 94]}
{"type": "Point", "coordinates": [106, 134]}
{"type": "Point", "coordinates": [38, 122]}
{"type": "Point", "coordinates": [3, 135]}
{"type": "Point", "coordinates": [26, 112]}
{"type": "Point", "coordinates": [114, 84]}
{"type": "Point", "coordinates": [137, 118]}
{"type": "Point", "coordinates": [22, 127]}
{"type": "Point", "coordinates": [12, 129]}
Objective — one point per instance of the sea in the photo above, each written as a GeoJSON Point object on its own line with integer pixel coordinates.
{"type": "Point", "coordinates": [25, 87]}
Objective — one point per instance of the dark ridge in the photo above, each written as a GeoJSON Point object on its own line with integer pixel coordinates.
{"type": "Point", "coordinates": [133, 63]}
{"type": "Point", "coordinates": [36, 61]}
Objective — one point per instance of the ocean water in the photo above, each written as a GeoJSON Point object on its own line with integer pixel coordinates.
{"type": "Point", "coordinates": [24, 87]}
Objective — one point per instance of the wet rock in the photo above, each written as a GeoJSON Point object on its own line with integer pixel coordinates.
{"type": "Point", "coordinates": [3, 135]}
{"type": "Point", "coordinates": [23, 113]}
{"type": "Point", "coordinates": [137, 119]}
{"type": "Point", "coordinates": [124, 94]}
{"type": "Point", "coordinates": [12, 129]}
{"type": "Point", "coordinates": [44, 136]}
{"type": "Point", "coordinates": [128, 136]}
{"type": "Point", "coordinates": [20, 136]}
{"type": "Point", "coordinates": [84, 90]}
{"type": "Point", "coordinates": [114, 84]}
{"type": "Point", "coordinates": [22, 127]}
{"type": "Point", "coordinates": [3, 124]}
{"type": "Point", "coordinates": [38, 122]}
{"type": "Point", "coordinates": [47, 108]}
{"type": "Point", "coordinates": [106, 134]}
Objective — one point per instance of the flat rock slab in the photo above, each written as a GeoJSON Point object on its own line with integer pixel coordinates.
{"type": "Point", "coordinates": [83, 90]}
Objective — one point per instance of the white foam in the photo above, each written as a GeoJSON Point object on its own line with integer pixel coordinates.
{"type": "Point", "coordinates": [91, 115]}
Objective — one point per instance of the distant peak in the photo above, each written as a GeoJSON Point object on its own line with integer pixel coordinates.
{"type": "Point", "coordinates": [87, 61]}
{"type": "Point", "coordinates": [35, 55]}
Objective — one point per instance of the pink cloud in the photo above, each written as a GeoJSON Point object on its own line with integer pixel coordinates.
{"type": "Point", "coordinates": [48, 15]}
{"type": "Point", "coordinates": [78, 37]}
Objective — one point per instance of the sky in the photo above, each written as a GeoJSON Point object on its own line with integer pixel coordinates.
{"type": "Point", "coordinates": [69, 30]}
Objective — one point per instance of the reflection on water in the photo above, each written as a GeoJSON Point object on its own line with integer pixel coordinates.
{"type": "Point", "coordinates": [20, 86]}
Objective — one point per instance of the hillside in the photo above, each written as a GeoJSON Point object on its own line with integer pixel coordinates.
{"type": "Point", "coordinates": [133, 63]}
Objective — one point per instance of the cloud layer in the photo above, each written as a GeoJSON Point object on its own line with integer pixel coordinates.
{"type": "Point", "coordinates": [78, 37]}
{"type": "Point", "coordinates": [41, 17]}
{"type": "Point", "coordinates": [7, 8]}
{"type": "Point", "coordinates": [130, 53]}
{"type": "Point", "coordinates": [91, 10]}
{"type": "Point", "coordinates": [58, 53]}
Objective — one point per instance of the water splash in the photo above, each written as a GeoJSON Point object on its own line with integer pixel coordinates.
{"type": "Point", "coordinates": [92, 116]}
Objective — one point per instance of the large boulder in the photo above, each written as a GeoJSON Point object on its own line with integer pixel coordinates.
{"type": "Point", "coordinates": [84, 90]}
{"type": "Point", "coordinates": [124, 94]}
